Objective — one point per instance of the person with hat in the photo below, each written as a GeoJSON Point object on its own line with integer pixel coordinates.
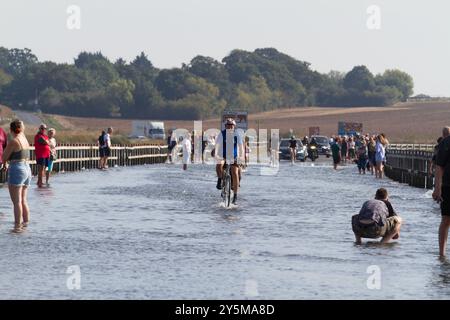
{"type": "Point", "coordinates": [42, 150]}
{"type": "Point", "coordinates": [221, 152]}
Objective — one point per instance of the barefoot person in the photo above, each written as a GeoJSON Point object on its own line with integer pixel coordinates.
{"type": "Point", "coordinates": [442, 188]}
{"type": "Point", "coordinates": [19, 174]}
{"type": "Point", "coordinates": [42, 150]}
{"type": "Point", "coordinates": [377, 219]}
{"type": "Point", "coordinates": [380, 155]}
{"type": "Point", "coordinates": [52, 141]}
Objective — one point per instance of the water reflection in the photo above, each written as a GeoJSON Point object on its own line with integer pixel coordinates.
{"type": "Point", "coordinates": [158, 232]}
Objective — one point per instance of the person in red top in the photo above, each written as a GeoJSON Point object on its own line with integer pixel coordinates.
{"type": "Point", "coordinates": [42, 150]}
{"type": "Point", "coordinates": [3, 142]}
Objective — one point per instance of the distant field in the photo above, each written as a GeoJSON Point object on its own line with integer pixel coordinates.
{"type": "Point", "coordinates": [408, 122]}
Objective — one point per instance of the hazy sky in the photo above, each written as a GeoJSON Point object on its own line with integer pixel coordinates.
{"type": "Point", "coordinates": [330, 34]}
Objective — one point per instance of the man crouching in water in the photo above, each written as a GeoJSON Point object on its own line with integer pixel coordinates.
{"type": "Point", "coordinates": [376, 219]}
{"type": "Point", "coordinates": [237, 153]}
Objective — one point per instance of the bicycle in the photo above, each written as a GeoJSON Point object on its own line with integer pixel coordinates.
{"type": "Point", "coordinates": [226, 185]}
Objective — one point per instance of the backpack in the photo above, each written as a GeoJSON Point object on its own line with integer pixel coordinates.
{"type": "Point", "coordinates": [101, 140]}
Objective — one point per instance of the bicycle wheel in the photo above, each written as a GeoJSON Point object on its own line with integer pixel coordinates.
{"type": "Point", "coordinates": [227, 190]}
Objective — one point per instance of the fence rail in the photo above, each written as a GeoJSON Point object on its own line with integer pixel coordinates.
{"type": "Point", "coordinates": [410, 163]}
{"type": "Point", "coordinates": [85, 156]}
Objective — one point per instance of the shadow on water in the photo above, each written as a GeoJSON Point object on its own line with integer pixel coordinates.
{"type": "Point", "coordinates": [377, 244]}
{"type": "Point", "coordinates": [45, 191]}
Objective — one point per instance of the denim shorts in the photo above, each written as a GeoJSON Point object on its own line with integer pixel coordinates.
{"type": "Point", "coordinates": [50, 165]}
{"type": "Point", "coordinates": [19, 174]}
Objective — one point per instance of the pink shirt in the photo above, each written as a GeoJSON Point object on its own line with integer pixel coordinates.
{"type": "Point", "coordinates": [3, 141]}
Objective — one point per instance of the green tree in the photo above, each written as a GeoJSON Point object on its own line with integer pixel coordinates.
{"type": "Point", "coordinates": [5, 79]}
{"type": "Point", "coordinates": [400, 80]}
{"type": "Point", "coordinates": [119, 94]}
{"type": "Point", "coordinates": [16, 61]}
{"type": "Point", "coordinates": [359, 79]}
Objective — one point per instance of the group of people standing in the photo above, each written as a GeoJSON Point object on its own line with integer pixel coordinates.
{"type": "Point", "coordinates": [104, 148]}
{"type": "Point", "coordinates": [367, 151]}
{"type": "Point", "coordinates": [15, 155]}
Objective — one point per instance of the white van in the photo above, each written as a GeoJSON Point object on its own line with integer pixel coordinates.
{"type": "Point", "coordinates": [148, 129]}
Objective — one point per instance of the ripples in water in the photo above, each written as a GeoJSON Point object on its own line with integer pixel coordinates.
{"type": "Point", "coordinates": [160, 233]}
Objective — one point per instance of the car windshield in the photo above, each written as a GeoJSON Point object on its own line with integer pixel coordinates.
{"type": "Point", "coordinates": [321, 140]}
{"type": "Point", "coordinates": [156, 131]}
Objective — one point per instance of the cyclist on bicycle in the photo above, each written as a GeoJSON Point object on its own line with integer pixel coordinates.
{"type": "Point", "coordinates": [293, 148]}
{"type": "Point", "coordinates": [221, 153]}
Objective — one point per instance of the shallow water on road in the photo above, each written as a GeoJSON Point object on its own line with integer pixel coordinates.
{"type": "Point", "coordinates": [156, 232]}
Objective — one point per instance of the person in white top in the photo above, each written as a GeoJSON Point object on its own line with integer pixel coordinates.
{"type": "Point", "coordinates": [52, 144]}
{"type": "Point", "coordinates": [187, 150]}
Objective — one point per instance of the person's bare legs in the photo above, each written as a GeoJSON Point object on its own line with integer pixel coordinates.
{"type": "Point", "coordinates": [219, 170]}
{"type": "Point", "coordinates": [390, 235]}
{"type": "Point", "coordinates": [378, 170]}
{"type": "Point", "coordinates": [443, 235]}
{"type": "Point", "coordinates": [25, 208]}
{"type": "Point", "coordinates": [16, 198]}
{"type": "Point", "coordinates": [40, 175]}
{"type": "Point", "coordinates": [235, 177]}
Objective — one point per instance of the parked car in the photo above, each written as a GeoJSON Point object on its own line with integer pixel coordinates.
{"type": "Point", "coordinates": [323, 144]}
{"type": "Point", "coordinates": [285, 152]}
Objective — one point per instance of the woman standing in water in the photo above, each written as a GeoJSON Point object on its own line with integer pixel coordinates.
{"type": "Point", "coordinates": [371, 147]}
{"type": "Point", "coordinates": [19, 174]}
{"type": "Point", "coordinates": [380, 155]}
{"type": "Point", "coordinates": [52, 144]}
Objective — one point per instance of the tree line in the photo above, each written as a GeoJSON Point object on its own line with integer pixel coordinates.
{"type": "Point", "coordinates": [262, 80]}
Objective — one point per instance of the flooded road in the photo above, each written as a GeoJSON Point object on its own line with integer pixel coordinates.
{"type": "Point", "coordinates": [156, 232]}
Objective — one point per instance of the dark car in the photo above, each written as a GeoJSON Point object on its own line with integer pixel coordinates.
{"type": "Point", "coordinates": [285, 152]}
{"type": "Point", "coordinates": [323, 144]}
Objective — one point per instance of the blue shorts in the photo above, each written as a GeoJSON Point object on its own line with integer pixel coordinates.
{"type": "Point", "coordinates": [42, 162]}
{"type": "Point", "coordinates": [19, 174]}
{"type": "Point", "coordinates": [50, 166]}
